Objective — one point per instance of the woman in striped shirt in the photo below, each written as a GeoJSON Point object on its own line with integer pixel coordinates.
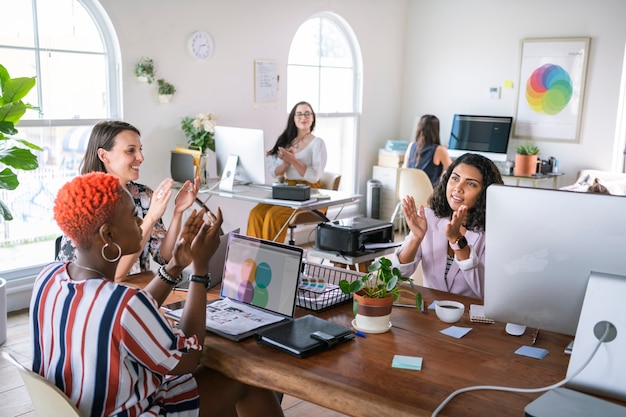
{"type": "Point", "coordinates": [106, 345]}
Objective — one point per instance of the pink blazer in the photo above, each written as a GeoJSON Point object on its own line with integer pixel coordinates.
{"type": "Point", "coordinates": [465, 277]}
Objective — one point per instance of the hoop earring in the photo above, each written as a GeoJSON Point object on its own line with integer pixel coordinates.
{"type": "Point", "coordinates": [119, 253]}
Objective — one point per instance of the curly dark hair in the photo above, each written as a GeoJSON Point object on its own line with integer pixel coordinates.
{"type": "Point", "coordinates": [291, 131]}
{"type": "Point", "coordinates": [476, 215]}
{"type": "Point", "coordinates": [84, 204]}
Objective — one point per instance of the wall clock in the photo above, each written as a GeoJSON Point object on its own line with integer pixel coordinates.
{"type": "Point", "coordinates": [200, 45]}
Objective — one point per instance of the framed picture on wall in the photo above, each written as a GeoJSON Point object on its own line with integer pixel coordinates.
{"type": "Point", "coordinates": [551, 88]}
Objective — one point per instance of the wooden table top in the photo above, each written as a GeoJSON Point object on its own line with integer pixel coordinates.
{"type": "Point", "coordinates": [356, 378]}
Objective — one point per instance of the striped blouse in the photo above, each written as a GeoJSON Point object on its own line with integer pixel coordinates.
{"type": "Point", "coordinates": [108, 348]}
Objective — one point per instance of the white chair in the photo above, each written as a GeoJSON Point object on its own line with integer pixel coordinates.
{"type": "Point", "coordinates": [413, 182]}
{"type": "Point", "coordinates": [48, 400]}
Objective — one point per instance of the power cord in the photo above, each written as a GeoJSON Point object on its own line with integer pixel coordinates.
{"type": "Point", "coordinates": [525, 390]}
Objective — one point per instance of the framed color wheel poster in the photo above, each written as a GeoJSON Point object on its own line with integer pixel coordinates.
{"type": "Point", "coordinates": [551, 88]}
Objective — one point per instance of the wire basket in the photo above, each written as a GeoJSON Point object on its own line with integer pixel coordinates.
{"type": "Point", "coordinates": [319, 286]}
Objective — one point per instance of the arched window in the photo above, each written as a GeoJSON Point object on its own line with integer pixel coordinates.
{"type": "Point", "coordinates": [72, 49]}
{"type": "Point", "coordinates": [324, 68]}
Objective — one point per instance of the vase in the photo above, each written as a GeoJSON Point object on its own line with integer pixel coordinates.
{"type": "Point", "coordinates": [372, 314]}
{"type": "Point", "coordinates": [207, 167]}
{"type": "Point", "coordinates": [165, 98]}
{"type": "Point", "coordinates": [525, 165]}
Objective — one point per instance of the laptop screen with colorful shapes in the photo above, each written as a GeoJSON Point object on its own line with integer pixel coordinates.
{"type": "Point", "coordinates": [262, 273]}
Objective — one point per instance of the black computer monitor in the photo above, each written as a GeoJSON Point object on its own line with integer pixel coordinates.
{"type": "Point", "coordinates": [541, 248]}
{"type": "Point", "coordinates": [484, 135]}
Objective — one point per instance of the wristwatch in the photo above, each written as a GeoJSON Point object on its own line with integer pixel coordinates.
{"type": "Point", "coordinates": [206, 280]}
{"type": "Point", "coordinates": [459, 244]}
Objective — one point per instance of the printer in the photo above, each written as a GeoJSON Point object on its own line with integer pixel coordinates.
{"type": "Point", "coordinates": [351, 235]}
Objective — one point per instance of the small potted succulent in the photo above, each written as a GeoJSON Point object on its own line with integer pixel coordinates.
{"type": "Point", "coordinates": [374, 294]}
{"type": "Point", "coordinates": [526, 159]}
{"type": "Point", "coordinates": [166, 91]}
{"type": "Point", "coordinates": [144, 70]}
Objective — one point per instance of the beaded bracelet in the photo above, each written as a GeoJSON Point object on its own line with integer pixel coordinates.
{"type": "Point", "coordinates": [167, 278]}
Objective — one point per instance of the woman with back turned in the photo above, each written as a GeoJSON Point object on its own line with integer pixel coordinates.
{"type": "Point", "coordinates": [426, 152]}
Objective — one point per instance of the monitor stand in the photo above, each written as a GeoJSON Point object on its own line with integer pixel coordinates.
{"type": "Point", "coordinates": [567, 402]}
{"type": "Point", "coordinates": [227, 183]}
{"type": "Point", "coordinates": [604, 302]}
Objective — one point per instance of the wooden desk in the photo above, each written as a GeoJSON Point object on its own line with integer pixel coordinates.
{"type": "Point", "coordinates": [356, 378]}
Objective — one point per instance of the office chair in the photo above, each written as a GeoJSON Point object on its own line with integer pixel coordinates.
{"type": "Point", "coordinates": [413, 182]}
{"type": "Point", "coordinates": [330, 181]}
{"type": "Point", "coordinates": [48, 400]}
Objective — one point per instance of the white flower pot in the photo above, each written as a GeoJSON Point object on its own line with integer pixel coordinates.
{"type": "Point", "coordinates": [142, 78]}
{"type": "Point", "coordinates": [165, 98]}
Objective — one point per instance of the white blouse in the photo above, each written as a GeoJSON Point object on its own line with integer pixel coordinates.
{"type": "Point", "coordinates": [313, 156]}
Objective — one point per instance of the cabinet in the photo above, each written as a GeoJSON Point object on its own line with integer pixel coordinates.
{"type": "Point", "coordinates": [388, 178]}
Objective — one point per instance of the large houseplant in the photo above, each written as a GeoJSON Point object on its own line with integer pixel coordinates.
{"type": "Point", "coordinates": [374, 294]}
{"type": "Point", "coordinates": [14, 153]}
{"type": "Point", "coordinates": [200, 131]}
{"type": "Point", "coordinates": [526, 159]}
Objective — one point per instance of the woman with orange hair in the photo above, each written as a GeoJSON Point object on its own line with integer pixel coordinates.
{"type": "Point", "coordinates": [106, 345]}
{"type": "Point", "coordinates": [115, 147]}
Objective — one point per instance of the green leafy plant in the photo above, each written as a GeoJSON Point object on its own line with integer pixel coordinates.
{"type": "Point", "coordinates": [12, 155]}
{"type": "Point", "coordinates": [381, 281]}
{"type": "Point", "coordinates": [145, 69]}
{"type": "Point", "coordinates": [165, 88]}
{"type": "Point", "coordinates": [199, 131]}
{"type": "Point", "coordinates": [527, 149]}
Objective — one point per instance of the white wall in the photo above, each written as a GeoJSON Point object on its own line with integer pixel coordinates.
{"type": "Point", "coordinates": [245, 30]}
{"type": "Point", "coordinates": [457, 49]}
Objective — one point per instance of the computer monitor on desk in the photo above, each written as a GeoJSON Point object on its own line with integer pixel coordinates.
{"type": "Point", "coordinates": [541, 248]}
{"type": "Point", "coordinates": [249, 148]}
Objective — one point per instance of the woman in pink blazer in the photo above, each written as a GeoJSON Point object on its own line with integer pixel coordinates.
{"type": "Point", "coordinates": [448, 237]}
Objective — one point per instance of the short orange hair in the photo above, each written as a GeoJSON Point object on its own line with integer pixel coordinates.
{"type": "Point", "coordinates": [84, 204]}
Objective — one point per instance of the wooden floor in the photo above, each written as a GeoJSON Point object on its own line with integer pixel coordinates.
{"type": "Point", "coordinates": [14, 400]}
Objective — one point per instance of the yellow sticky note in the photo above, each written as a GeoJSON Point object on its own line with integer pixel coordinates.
{"type": "Point", "coordinates": [508, 84]}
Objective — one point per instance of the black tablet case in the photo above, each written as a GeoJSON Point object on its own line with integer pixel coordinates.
{"type": "Point", "coordinates": [294, 337]}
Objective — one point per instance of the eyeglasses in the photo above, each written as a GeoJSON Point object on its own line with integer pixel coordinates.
{"type": "Point", "coordinates": [306, 114]}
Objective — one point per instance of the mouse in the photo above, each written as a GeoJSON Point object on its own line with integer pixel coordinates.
{"type": "Point", "coordinates": [515, 329]}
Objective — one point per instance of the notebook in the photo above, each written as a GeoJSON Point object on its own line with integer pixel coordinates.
{"type": "Point", "coordinates": [305, 336]}
{"type": "Point", "coordinates": [216, 264]}
{"type": "Point", "coordinates": [258, 288]}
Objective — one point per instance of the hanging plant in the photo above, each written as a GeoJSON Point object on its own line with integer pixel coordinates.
{"type": "Point", "coordinates": [144, 70]}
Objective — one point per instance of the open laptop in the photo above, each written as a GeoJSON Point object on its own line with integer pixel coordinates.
{"type": "Point", "coordinates": [216, 264]}
{"type": "Point", "coordinates": [258, 289]}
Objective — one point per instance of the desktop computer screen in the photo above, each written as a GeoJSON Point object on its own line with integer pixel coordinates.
{"type": "Point", "coordinates": [541, 247]}
{"type": "Point", "coordinates": [248, 145]}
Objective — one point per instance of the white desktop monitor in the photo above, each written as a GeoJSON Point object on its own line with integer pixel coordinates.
{"type": "Point", "coordinates": [541, 247]}
{"type": "Point", "coordinates": [248, 145]}
{"type": "Point", "coordinates": [484, 135]}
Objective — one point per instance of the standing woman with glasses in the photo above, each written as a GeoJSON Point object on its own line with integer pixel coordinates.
{"type": "Point", "coordinates": [426, 153]}
{"type": "Point", "coordinates": [300, 158]}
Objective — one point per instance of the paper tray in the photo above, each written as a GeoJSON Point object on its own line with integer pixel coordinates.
{"type": "Point", "coordinates": [319, 286]}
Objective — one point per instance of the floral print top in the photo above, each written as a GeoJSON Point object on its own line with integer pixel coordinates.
{"type": "Point", "coordinates": [141, 196]}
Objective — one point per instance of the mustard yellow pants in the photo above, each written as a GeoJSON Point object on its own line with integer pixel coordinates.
{"type": "Point", "coordinates": [266, 220]}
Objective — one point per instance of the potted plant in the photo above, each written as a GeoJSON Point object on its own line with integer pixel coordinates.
{"type": "Point", "coordinates": [525, 159]}
{"type": "Point", "coordinates": [200, 131]}
{"type": "Point", "coordinates": [374, 294]}
{"type": "Point", "coordinates": [12, 108]}
{"type": "Point", "coordinates": [144, 70]}
{"type": "Point", "coordinates": [166, 90]}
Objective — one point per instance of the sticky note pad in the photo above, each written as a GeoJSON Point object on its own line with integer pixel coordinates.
{"type": "Point", "coordinates": [432, 305]}
{"type": "Point", "coordinates": [455, 331]}
{"type": "Point", "coordinates": [532, 352]}
{"type": "Point", "coordinates": [407, 362]}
